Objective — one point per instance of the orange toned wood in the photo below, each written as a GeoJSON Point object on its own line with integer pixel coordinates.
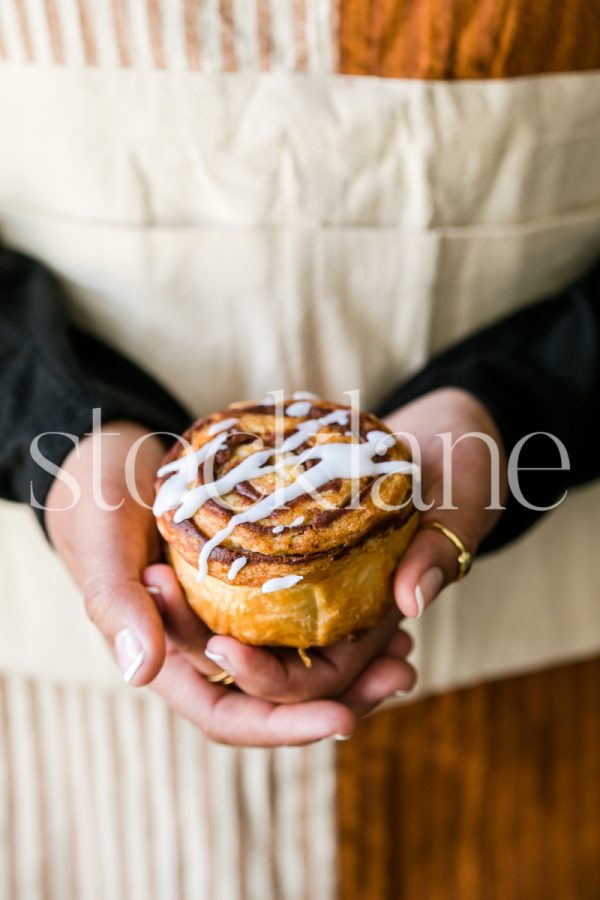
{"type": "Point", "coordinates": [445, 39]}
{"type": "Point", "coordinates": [490, 793]}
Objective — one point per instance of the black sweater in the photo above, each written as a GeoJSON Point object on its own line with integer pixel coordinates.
{"type": "Point", "coordinates": [53, 375]}
{"type": "Point", "coordinates": [536, 371]}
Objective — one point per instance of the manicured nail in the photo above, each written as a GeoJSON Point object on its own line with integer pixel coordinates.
{"type": "Point", "coordinates": [342, 737]}
{"type": "Point", "coordinates": [428, 588]}
{"type": "Point", "coordinates": [158, 597]}
{"type": "Point", "coordinates": [129, 652]}
{"type": "Point", "coordinates": [220, 660]}
{"type": "Point", "coordinates": [420, 601]}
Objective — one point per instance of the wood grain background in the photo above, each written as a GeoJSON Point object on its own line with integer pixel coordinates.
{"type": "Point", "coordinates": [489, 793]}
{"type": "Point", "coordinates": [447, 39]}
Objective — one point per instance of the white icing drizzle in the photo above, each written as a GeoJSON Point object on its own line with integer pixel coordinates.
{"type": "Point", "coordinates": [182, 471]}
{"type": "Point", "coordinates": [235, 567]}
{"type": "Point", "coordinates": [280, 584]}
{"type": "Point", "coordinates": [250, 467]}
{"type": "Point", "coordinates": [307, 429]}
{"type": "Point", "coordinates": [216, 427]}
{"type": "Point", "coordinates": [383, 441]}
{"type": "Point", "coordinates": [305, 395]}
{"type": "Point", "coordinates": [297, 521]}
{"type": "Point", "coordinates": [300, 408]}
{"type": "Point", "coordinates": [334, 459]}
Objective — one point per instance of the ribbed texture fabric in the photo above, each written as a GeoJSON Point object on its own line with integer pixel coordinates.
{"type": "Point", "coordinates": [205, 35]}
{"type": "Point", "coordinates": [109, 797]}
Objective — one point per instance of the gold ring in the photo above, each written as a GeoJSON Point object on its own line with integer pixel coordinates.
{"type": "Point", "coordinates": [221, 677]}
{"type": "Point", "coordinates": [465, 557]}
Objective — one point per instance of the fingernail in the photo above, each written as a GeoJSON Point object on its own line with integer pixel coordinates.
{"type": "Point", "coordinates": [158, 598]}
{"type": "Point", "coordinates": [342, 737]}
{"type": "Point", "coordinates": [401, 693]}
{"type": "Point", "coordinates": [129, 652]}
{"type": "Point", "coordinates": [428, 588]}
{"type": "Point", "coordinates": [220, 660]}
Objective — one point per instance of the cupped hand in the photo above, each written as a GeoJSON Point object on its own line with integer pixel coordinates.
{"type": "Point", "coordinates": [109, 542]}
{"type": "Point", "coordinates": [475, 471]}
{"type": "Point", "coordinates": [274, 686]}
{"type": "Point", "coordinates": [359, 673]}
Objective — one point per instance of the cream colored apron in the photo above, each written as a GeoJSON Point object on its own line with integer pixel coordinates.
{"type": "Point", "coordinates": [235, 233]}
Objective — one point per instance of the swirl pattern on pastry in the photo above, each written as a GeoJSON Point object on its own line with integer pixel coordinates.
{"type": "Point", "coordinates": [267, 504]}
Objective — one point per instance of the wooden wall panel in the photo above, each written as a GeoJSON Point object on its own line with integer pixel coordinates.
{"type": "Point", "coordinates": [443, 39]}
{"type": "Point", "coordinates": [489, 793]}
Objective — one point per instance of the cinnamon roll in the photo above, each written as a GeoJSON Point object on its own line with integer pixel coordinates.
{"type": "Point", "coordinates": [284, 523]}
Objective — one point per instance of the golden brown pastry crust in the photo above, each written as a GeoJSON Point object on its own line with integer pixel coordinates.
{"type": "Point", "coordinates": [351, 596]}
{"type": "Point", "coordinates": [345, 555]}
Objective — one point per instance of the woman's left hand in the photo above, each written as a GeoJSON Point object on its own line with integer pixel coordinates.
{"type": "Point", "coordinates": [465, 489]}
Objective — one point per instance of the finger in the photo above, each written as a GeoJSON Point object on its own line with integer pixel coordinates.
{"type": "Point", "coordinates": [399, 645]}
{"type": "Point", "coordinates": [385, 677]}
{"type": "Point", "coordinates": [185, 629]}
{"type": "Point", "coordinates": [261, 672]}
{"type": "Point", "coordinates": [106, 547]}
{"type": "Point", "coordinates": [126, 615]}
{"type": "Point", "coordinates": [277, 675]}
{"type": "Point", "coordinates": [430, 563]}
{"type": "Point", "coordinates": [281, 676]}
{"type": "Point", "coordinates": [230, 717]}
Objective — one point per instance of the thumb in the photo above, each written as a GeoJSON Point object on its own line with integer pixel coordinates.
{"type": "Point", "coordinates": [126, 614]}
{"type": "Point", "coordinates": [431, 562]}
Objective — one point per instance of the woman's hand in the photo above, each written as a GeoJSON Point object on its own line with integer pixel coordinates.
{"type": "Point", "coordinates": [358, 673]}
{"type": "Point", "coordinates": [470, 471]}
{"type": "Point", "coordinates": [109, 541]}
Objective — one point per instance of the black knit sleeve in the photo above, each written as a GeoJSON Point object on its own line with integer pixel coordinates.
{"type": "Point", "coordinates": [536, 371]}
{"type": "Point", "coordinates": [52, 376]}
